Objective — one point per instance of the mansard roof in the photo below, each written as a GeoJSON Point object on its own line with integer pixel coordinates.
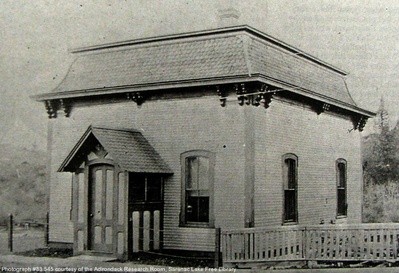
{"type": "Point", "coordinates": [227, 55]}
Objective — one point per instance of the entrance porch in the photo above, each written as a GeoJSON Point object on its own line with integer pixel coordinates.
{"type": "Point", "coordinates": [117, 198]}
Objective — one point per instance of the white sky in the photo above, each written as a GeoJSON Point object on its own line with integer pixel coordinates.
{"type": "Point", "coordinates": [360, 37]}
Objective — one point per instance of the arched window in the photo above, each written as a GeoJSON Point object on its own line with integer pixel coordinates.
{"type": "Point", "coordinates": [197, 188]}
{"type": "Point", "coordinates": [290, 180]}
{"type": "Point", "coordinates": [341, 167]}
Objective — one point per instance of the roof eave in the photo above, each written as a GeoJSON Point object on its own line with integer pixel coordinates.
{"type": "Point", "coordinates": [197, 83]}
{"type": "Point", "coordinates": [316, 96]}
{"type": "Point", "coordinates": [140, 87]}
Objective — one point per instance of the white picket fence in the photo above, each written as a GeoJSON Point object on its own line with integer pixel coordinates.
{"type": "Point", "coordinates": [323, 242]}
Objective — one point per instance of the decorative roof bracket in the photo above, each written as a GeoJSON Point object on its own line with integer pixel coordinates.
{"type": "Point", "coordinates": [359, 122]}
{"type": "Point", "coordinates": [222, 95]}
{"type": "Point", "coordinates": [65, 107]}
{"type": "Point", "coordinates": [322, 107]}
{"type": "Point", "coordinates": [241, 96]}
{"type": "Point", "coordinates": [261, 97]}
{"type": "Point", "coordinates": [137, 97]}
{"type": "Point", "coordinates": [265, 96]}
{"type": "Point", "coordinates": [51, 108]}
{"type": "Point", "coordinates": [265, 99]}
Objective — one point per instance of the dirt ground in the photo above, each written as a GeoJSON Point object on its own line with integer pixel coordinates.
{"type": "Point", "coordinates": [23, 239]}
{"type": "Point", "coordinates": [30, 242]}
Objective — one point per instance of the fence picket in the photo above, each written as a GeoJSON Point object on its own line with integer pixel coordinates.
{"type": "Point", "coordinates": [369, 245]}
{"type": "Point", "coordinates": [377, 244]}
{"type": "Point", "coordinates": [335, 251]}
{"type": "Point", "coordinates": [395, 245]}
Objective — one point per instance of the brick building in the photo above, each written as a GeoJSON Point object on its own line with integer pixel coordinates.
{"type": "Point", "coordinates": [155, 142]}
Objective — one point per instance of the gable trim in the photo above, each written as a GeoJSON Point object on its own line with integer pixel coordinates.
{"type": "Point", "coordinates": [74, 150]}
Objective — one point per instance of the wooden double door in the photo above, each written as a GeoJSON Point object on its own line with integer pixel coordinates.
{"type": "Point", "coordinates": [101, 208]}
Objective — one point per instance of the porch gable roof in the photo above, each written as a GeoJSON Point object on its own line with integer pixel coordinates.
{"type": "Point", "coordinates": [128, 148]}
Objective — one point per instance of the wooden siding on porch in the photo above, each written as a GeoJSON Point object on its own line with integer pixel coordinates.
{"type": "Point", "coordinates": [146, 231]}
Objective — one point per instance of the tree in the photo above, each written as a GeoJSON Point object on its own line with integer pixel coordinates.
{"type": "Point", "coordinates": [381, 165]}
{"type": "Point", "coordinates": [381, 170]}
{"type": "Point", "coordinates": [382, 118]}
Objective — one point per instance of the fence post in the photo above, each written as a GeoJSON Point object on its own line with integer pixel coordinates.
{"type": "Point", "coordinates": [304, 244]}
{"type": "Point", "coordinates": [46, 229]}
{"type": "Point", "coordinates": [217, 247]}
{"type": "Point", "coordinates": [10, 227]}
{"type": "Point", "coordinates": [396, 243]}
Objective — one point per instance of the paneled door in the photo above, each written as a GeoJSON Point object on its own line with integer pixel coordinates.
{"type": "Point", "coordinates": [101, 208]}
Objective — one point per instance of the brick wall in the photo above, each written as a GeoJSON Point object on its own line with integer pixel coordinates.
{"type": "Point", "coordinates": [177, 125]}
{"type": "Point", "coordinates": [318, 141]}
{"type": "Point", "coordinates": [172, 127]}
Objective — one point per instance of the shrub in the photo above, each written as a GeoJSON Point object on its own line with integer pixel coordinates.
{"type": "Point", "coordinates": [381, 202]}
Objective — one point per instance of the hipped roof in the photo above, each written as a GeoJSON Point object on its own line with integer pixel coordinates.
{"type": "Point", "coordinates": [128, 148]}
{"type": "Point", "coordinates": [209, 57]}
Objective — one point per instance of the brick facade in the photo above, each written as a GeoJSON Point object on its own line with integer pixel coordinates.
{"type": "Point", "coordinates": [318, 141]}
{"type": "Point", "coordinates": [248, 142]}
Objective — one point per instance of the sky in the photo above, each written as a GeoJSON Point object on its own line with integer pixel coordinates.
{"type": "Point", "coordinates": [360, 37]}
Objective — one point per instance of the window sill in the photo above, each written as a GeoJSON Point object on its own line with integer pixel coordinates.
{"type": "Point", "coordinates": [290, 223]}
{"type": "Point", "coordinates": [145, 202]}
{"type": "Point", "coordinates": [342, 216]}
{"type": "Point", "coordinates": [196, 225]}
